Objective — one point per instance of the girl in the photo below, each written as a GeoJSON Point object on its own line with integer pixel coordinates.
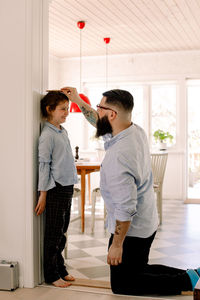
{"type": "Point", "coordinates": [57, 176]}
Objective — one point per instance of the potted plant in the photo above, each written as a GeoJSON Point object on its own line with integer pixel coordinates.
{"type": "Point", "coordinates": [162, 137]}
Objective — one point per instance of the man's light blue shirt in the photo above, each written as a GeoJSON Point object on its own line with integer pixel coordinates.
{"type": "Point", "coordinates": [127, 184]}
{"type": "Point", "coordinates": [56, 161]}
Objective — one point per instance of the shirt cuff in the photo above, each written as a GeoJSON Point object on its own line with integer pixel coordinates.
{"type": "Point", "coordinates": [46, 186]}
{"type": "Point", "coordinates": [46, 181]}
{"type": "Point", "coordinates": [124, 215]}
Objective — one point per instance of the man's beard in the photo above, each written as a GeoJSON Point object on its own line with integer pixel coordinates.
{"type": "Point", "coordinates": [103, 126]}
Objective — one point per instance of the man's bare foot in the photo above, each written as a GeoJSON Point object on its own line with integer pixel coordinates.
{"type": "Point", "coordinates": [61, 283]}
{"type": "Point", "coordinates": [69, 277]}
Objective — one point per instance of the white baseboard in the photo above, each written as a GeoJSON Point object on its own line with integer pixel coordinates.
{"type": "Point", "coordinates": [192, 201]}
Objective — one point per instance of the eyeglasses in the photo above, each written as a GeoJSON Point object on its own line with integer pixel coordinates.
{"type": "Point", "coordinates": [106, 108]}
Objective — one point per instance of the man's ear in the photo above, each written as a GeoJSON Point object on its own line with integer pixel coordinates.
{"type": "Point", "coordinates": [112, 115]}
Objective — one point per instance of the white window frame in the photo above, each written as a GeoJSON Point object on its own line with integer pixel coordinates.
{"type": "Point", "coordinates": [147, 101]}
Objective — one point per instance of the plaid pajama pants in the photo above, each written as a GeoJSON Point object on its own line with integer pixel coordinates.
{"type": "Point", "coordinates": [58, 207]}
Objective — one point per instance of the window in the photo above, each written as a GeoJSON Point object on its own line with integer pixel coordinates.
{"type": "Point", "coordinates": [138, 110]}
{"type": "Point", "coordinates": [163, 109]}
{"type": "Point", "coordinates": [154, 106]}
{"type": "Point", "coordinates": [193, 139]}
{"type": "Point", "coordinates": [94, 93]}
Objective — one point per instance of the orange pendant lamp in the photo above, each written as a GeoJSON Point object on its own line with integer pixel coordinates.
{"type": "Point", "coordinates": [74, 107]}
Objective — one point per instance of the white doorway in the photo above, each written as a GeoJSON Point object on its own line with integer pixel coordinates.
{"type": "Point", "coordinates": [193, 147]}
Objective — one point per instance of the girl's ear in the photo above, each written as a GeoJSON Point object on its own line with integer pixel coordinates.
{"type": "Point", "coordinates": [48, 110]}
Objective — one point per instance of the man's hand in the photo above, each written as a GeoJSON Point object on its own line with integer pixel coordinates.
{"type": "Point", "coordinates": [72, 94]}
{"type": "Point", "coordinates": [116, 249]}
{"type": "Point", "coordinates": [41, 203]}
{"type": "Point", "coordinates": [90, 114]}
{"type": "Point", "coordinates": [114, 255]}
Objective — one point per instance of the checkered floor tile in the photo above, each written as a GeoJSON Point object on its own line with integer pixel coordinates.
{"type": "Point", "coordinates": [177, 242]}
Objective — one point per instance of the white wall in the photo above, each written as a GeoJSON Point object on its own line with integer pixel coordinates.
{"type": "Point", "coordinates": [55, 73]}
{"type": "Point", "coordinates": [176, 66]}
{"type": "Point", "coordinates": [22, 77]}
{"type": "Point", "coordinates": [134, 66]}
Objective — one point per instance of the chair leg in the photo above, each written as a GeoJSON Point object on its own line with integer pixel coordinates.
{"type": "Point", "coordinates": [93, 210]}
{"type": "Point", "coordinates": [159, 199]}
{"type": "Point", "coordinates": [79, 205]}
{"type": "Point", "coordinates": [104, 215]}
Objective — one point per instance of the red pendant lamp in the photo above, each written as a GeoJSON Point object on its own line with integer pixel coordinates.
{"type": "Point", "coordinates": [107, 41]}
{"type": "Point", "coordinates": [74, 107]}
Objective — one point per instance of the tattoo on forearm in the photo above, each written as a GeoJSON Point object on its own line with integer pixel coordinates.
{"type": "Point", "coordinates": [90, 115]}
{"type": "Point", "coordinates": [117, 227]}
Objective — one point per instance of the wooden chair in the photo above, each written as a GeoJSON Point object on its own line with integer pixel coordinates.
{"type": "Point", "coordinates": [96, 193]}
{"type": "Point", "coordinates": [77, 194]}
{"type": "Point", "coordinates": [158, 162]}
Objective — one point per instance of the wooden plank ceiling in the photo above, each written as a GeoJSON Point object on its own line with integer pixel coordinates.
{"type": "Point", "coordinates": [134, 26]}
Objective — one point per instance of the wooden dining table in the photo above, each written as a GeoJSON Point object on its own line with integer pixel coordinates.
{"type": "Point", "coordinates": [83, 169]}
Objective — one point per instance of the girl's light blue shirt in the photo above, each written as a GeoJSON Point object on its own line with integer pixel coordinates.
{"type": "Point", "coordinates": [127, 183]}
{"type": "Point", "coordinates": [56, 161]}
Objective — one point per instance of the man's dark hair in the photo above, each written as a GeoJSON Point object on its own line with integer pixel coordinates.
{"type": "Point", "coordinates": [52, 99]}
{"type": "Point", "coordinates": [120, 98]}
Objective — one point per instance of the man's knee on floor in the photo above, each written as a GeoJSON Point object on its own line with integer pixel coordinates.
{"type": "Point", "coordinates": [121, 289]}
{"type": "Point", "coordinates": [116, 289]}
{"type": "Point", "coordinates": [117, 286]}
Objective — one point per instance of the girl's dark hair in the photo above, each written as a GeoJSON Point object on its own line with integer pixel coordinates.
{"type": "Point", "coordinates": [52, 99]}
{"type": "Point", "coordinates": [121, 98]}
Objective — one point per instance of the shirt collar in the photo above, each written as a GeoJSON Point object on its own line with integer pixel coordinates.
{"type": "Point", "coordinates": [53, 127]}
{"type": "Point", "coordinates": [111, 140]}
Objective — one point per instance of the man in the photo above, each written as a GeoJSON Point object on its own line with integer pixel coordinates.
{"type": "Point", "coordinates": [127, 188]}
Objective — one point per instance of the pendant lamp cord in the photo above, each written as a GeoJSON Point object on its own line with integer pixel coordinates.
{"type": "Point", "coordinates": [80, 62]}
{"type": "Point", "coordinates": [106, 66]}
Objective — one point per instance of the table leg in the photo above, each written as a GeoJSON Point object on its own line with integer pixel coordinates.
{"type": "Point", "coordinates": [83, 172]}
{"type": "Point", "coordinates": [89, 187]}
